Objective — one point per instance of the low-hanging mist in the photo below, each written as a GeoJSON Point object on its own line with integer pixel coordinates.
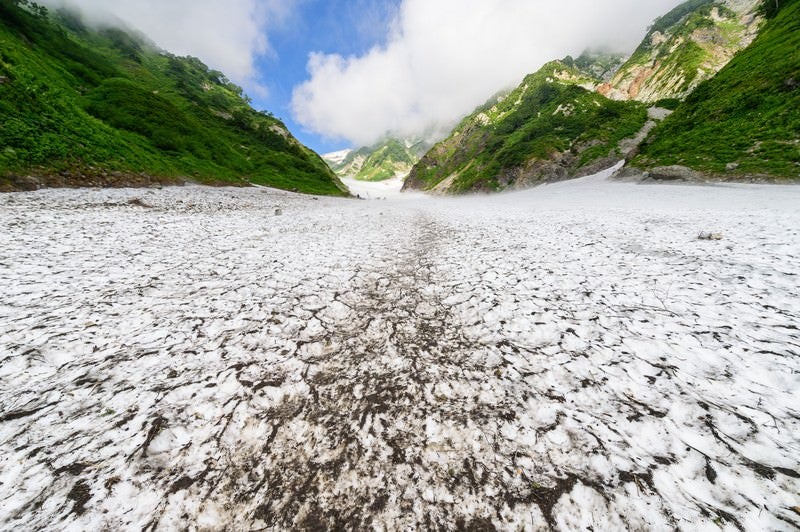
{"type": "Point", "coordinates": [227, 35]}
{"type": "Point", "coordinates": [441, 59]}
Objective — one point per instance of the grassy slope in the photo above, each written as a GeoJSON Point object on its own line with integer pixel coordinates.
{"type": "Point", "coordinates": [541, 120]}
{"type": "Point", "coordinates": [77, 101]}
{"type": "Point", "coordinates": [385, 161]}
{"type": "Point", "coordinates": [381, 161]}
{"type": "Point", "coordinates": [749, 114]}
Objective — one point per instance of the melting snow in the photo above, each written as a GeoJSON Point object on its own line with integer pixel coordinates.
{"type": "Point", "coordinates": [571, 356]}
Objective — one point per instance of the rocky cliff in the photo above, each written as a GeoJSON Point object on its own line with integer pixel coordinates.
{"type": "Point", "coordinates": [744, 123]}
{"type": "Point", "coordinates": [685, 47]}
{"type": "Point", "coordinates": [737, 73]}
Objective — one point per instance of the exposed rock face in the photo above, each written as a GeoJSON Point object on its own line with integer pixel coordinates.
{"type": "Point", "coordinates": [660, 174]}
{"type": "Point", "coordinates": [741, 125]}
{"type": "Point", "coordinates": [629, 173]}
{"type": "Point", "coordinates": [685, 47]}
{"type": "Point", "coordinates": [544, 131]}
{"type": "Point", "coordinates": [347, 162]}
{"type": "Point", "coordinates": [673, 173]}
{"type": "Point", "coordinates": [15, 183]}
{"type": "Point", "coordinates": [86, 178]}
{"type": "Point", "coordinates": [413, 181]}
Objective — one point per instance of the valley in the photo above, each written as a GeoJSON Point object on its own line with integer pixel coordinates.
{"type": "Point", "coordinates": [572, 307]}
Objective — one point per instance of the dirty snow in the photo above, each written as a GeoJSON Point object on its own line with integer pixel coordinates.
{"type": "Point", "coordinates": [571, 357]}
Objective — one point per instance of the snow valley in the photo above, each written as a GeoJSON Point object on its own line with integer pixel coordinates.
{"type": "Point", "coordinates": [566, 357]}
{"type": "Point", "coordinates": [541, 282]}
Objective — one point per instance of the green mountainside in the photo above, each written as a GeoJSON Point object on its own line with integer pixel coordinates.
{"type": "Point", "coordinates": [553, 126]}
{"type": "Point", "coordinates": [739, 76]}
{"type": "Point", "coordinates": [745, 122]}
{"type": "Point", "coordinates": [80, 107]}
{"type": "Point", "coordinates": [597, 64]}
{"type": "Point", "coordinates": [685, 47]}
{"type": "Point", "coordinates": [387, 159]}
{"type": "Point", "coordinates": [347, 163]}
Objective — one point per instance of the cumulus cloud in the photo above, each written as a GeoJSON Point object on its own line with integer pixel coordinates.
{"type": "Point", "coordinates": [226, 34]}
{"type": "Point", "coordinates": [442, 58]}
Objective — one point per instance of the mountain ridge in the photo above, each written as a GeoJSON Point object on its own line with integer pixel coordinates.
{"type": "Point", "coordinates": [742, 124]}
{"type": "Point", "coordinates": [553, 126]}
{"type": "Point", "coordinates": [389, 158]}
{"type": "Point", "coordinates": [574, 122]}
{"type": "Point", "coordinates": [683, 48]}
{"type": "Point", "coordinates": [88, 107]}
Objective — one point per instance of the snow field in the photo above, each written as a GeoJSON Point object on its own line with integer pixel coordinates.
{"type": "Point", "coordinates": [566, 357]}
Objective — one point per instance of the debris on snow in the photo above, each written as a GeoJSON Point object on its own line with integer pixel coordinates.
{"type": "Point", "coordinates": [524, 361]}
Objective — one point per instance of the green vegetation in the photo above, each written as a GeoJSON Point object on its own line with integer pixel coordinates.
{"type": "Point", "coordinates": [548, 128]}
{"type": "Point", "coordinates": [770, 8]}
{"type": "Point", "coordinates": [598, 64]}
{"type": "Point", "coordinates": [82, 102]}
{"type": "Point", "coordinates": [681, 49]}
{"type": "Point", "coordinates": [386, 159]}
{"type": "Point", "coordinates": [746, 120]}
{"type": "Point", "coordinates": [671, 19]}
{"type": "Point", "coordinates": [668, 103]}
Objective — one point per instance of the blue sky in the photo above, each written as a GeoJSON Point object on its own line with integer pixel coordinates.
{"type": "Point", "coordinates": [349, 28]}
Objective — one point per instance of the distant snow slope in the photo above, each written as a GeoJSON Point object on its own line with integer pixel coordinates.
{"type": "Point", "coordinates": [376, 189]}
{"type": "Point", "coordinates": [336, 157]}
{"type": "Point", "coordinates": [570, 356]}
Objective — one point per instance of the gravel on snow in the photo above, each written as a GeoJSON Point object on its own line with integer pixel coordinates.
{"type": "Point", "coordinates": [567, 357]}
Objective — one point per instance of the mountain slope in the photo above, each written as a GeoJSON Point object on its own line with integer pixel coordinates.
{"type": "Point", "coordinates": [105, 107]}
{"type": "Point", "coordinates": [685, 47]}
{"type": "Point", "coordinates": [553, 126]}
{"type": "Point", "coordinates": [745, 122]}
{"type": "Point", "coordinates": [346, 163]}
{"type": "Point", "coordinates": [387, 159]}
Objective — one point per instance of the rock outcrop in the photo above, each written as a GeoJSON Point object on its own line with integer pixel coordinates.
{"type": "Point", "coordinates": [685, 47]}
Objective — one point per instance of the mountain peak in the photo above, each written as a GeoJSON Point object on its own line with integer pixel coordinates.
{"type": "Point", "coordinates": [389, 158]}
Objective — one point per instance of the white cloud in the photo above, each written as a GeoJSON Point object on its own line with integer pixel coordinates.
{"type": "Point", "coordinates": [445, 57]}
{"type": "Point", "coordinates": [226, 34]}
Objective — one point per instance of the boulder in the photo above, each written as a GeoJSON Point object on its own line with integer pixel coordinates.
{"type": "Point", "coordinates": [26, 183]}
{"type": "Point", "coordinates": [629, 173]}
{"type": "Point", "coordinates": [596, 166]}
{"type": "Point", "coordinates": [673, 173]}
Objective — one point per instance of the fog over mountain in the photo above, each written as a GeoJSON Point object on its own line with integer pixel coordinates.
{"type": "Point", "coordinates": [433, 63]}
{"type": "Point", "coordinates": [442, 59]}
{"type": "Point", "coordinates": [227, 35]}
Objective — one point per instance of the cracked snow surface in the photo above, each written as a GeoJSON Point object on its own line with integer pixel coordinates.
{"type": "Point", "coordinates": [570, 357]}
